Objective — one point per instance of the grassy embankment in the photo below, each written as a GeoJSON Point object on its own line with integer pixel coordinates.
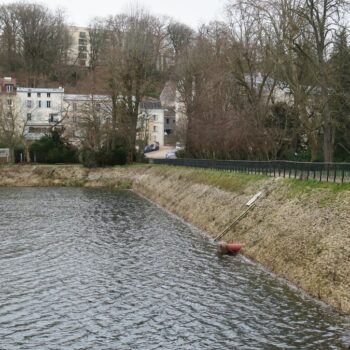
{"type": "Point", "coordinates": [300, 230]}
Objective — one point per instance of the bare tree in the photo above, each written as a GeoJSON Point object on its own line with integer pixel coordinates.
{"type": "Point", "coordinates": [134, 47]}
{"type": "Point", "coordinates": [87, 122]}
{"type": "Point", "coordinates": [12, 125]}
{"type": "Point", "coordinates": [180, 37]}
{"type": "Point", "coordinates": [9, 29]}
{"type": "Point", "coordinates": [323, 17]}
{"type": "Point", "coordinates": [36, 39]}
{"type": "Point", "coordinates": [98, 42]}
{"type": "Point", "coordinates": [302, 34]}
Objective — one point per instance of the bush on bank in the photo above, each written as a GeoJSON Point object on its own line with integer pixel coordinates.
{"type": "Point", "coordinates": [53, 149]}
{"type": "Point", "coordinates": [104, 157]}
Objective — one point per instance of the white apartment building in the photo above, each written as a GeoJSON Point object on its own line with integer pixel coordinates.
{"type": "Point", "coordinates": [41, 109]}
{"type": "Point", "coordinates": [151, 122]}
{"type": "Point", "coordinates": [80, 48]}
{"type": "Point", "coordinates": [38, 110]}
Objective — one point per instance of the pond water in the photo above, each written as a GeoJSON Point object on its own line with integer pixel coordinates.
{"type": "Point", "coordinates": [100, 269]}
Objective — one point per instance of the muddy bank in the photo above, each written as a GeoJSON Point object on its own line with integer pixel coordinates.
{"type": "Point", "coordinates": [297, 231]}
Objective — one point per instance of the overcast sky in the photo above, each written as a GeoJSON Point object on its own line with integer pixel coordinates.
{"type": "Point", "coordinates": [190, 12]}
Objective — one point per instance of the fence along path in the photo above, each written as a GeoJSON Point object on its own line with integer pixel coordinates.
{"type": "Point", "coordinates": [327, 172]}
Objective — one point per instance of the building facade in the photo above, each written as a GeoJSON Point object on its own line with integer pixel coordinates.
{"type": "Point", "coordinates": [80, 49]}
{"type": "Point", "coordinates": [86, 117]}
{"type": "Point", "coordinates": [38, 110]}
{"type": "Point", "coordinates": [8, 89]}
{"type": "Point", "coordinates": [8, 86]}
{"type": "Point", "coordinates": [41, 109]}
{"type": "Point", "coordinates": [151, 122]}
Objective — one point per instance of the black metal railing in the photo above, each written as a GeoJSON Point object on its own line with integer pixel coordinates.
{"type": "Point", "coordinates": [328, 172]}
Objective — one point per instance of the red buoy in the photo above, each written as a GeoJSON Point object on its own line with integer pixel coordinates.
{"type": "Point", "coordinates": [230, 248]}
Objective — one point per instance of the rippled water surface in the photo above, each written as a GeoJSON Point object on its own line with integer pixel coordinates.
{"type": "Point", "coordinates": [96, 269]}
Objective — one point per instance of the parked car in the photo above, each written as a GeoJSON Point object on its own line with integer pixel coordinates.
{"type": "Point", "coordinates": [171, 154]}
{"type": "Point", "coordinates": [179, 146]}
{"type": "Point", "coordinates": [151, 148]}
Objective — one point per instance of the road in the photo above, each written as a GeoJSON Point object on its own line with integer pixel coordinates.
{"type": "Point", "coordinates": [161, 153]}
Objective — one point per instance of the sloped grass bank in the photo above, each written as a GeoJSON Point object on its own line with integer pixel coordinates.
{"type": "Point", "coordinates": [299, 230]}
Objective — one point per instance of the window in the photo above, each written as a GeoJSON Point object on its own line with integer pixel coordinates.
{"type": "Point", "coordinates": [167, 120]}
{"type": "Point", "coordinates": [39, 104]}
{"type": "Point", "coordinates": [82, 35]}
{"type": "Point", "coordinates": [75, 107]}
{"type": "Point", "coordinates": [38, 94]}
{"type": "Point", "coordinates": [155, 128]}
{"type": "Point", "coordinates": [154, 117]}
{"type": "Point", "coordinates": [82, 55]}
{"type": "Point", "coordinates": [29, 104]}
{"type": "Point", "coordinates": [82, 42]}
{"type": "Point", "coordinates": [98, 106]}
{"type": "Point", "coordinates": [53, 118]}
{"type": "Point", "coordinates": [82, 49]}
{"type": "Point", "coordinates": [48, 104]}
{"type": "Point", "coordinates": [9, 102]}
{"type": "Point", "coordinates": [9, 88]}
{"type": "Point", "coordinates": [74, 119]}
{"type": "Point", "coordinates": [29, 94]}
{"type": "Point", "coordinates": [48, 94]}
{"type": "Point", "coordinates": [29, 116]}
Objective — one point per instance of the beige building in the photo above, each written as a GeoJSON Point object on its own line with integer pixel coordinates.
{"type": "Point", "coordinates": [80, 48]}
{"type": "Point", "coordinates": [83, 114]}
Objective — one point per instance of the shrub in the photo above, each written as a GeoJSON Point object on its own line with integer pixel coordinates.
{"type": "Point", "coordinates": [53, 149]}
{"type": "Point", "coordinates": [104, 157]}
{"type": "Point", "coordinates": [181, 153]}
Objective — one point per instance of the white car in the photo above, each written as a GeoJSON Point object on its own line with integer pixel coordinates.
{"type": "Point", "coordinates": [179, 146]}
{"type": "Point", "coordinates": [171, 154]}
